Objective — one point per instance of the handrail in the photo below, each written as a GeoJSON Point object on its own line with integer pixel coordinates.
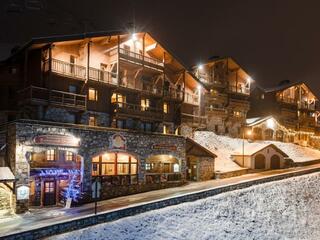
{"type": "Point", "coordinates": [54, 96]}
{"type": "Point", "coordinates": [136, 107]}
{"type": "Point", "coordinates": [103, 76]}
{"type": "Point", "coordinates": [68, 69]}
{"type": "Point", "coordinates": [140, 57]}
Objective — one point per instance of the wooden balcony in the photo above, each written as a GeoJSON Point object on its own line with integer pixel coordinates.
{"type": "Point", "coordinates": [66, 69]}
{"type": "Point", "coordinates": [44, 96]}
{"type": "Point", "coordinates": [191, 98]}
{"type": "Point", "coordinates": [194, 120]}
{"type": "Point", "coordinates": [103, 76]}
{"type": "Point", "coordinates": [239, 90]}
{"type": "Point", "coordinates": [307, 106]}
{"type": "Point", "coordinates": [138, 111]}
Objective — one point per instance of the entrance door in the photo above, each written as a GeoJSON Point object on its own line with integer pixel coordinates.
{"type": "Point", "coordinates": [49, 193]}
{"type": "Point", "coordinates": [275, 162]}
{"type": "Point", "coordinates": [260, 162]}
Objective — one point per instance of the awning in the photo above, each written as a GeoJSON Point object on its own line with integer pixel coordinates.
{"type": "Point", "coordinates": [6, 174]}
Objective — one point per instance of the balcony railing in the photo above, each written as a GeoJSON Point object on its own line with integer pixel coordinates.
{"type": "Point", "coordinates": [139, 58]}
{"type": "Point", "coordinates": [66, 69]}
{"type": "Point", "coordinates": [173, 93]}
{"type": "Point", "coordinates": [103, 76]}
{"type": "Point", "coordinates": [194, 120]}
{"type": "Point", "coordinates": [191, 98]}
{"type": "Point", "coordinates": [287, 100]}
{"type": "Point", "coordinates": [55, 97]}
{"type": "Point", "coordinates": [137, 110]}
{"type": "Point", "coordinates": [239, 89]}
{"type": "Point", "coordinates": [306, 105]}
{"type": "Point", "coordinates": [162, 177]}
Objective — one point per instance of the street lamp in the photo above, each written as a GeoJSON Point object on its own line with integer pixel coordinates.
{"type": "Point", "coordinates": [249, 132]}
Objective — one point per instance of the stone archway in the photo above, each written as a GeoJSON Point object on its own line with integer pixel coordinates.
{"type": "Point", "coordinates": [260, 161]}
{"type": "Point", "coordinates": [275, 162]}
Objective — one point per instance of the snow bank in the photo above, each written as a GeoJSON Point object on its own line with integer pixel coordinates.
{"type": "Point", "coordinates": [224, 147]}
{"type": "Point", "coordinates": [287, 209]}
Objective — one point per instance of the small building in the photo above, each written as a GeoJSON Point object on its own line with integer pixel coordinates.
{"type": "Point", "coordinates": [200, 161]}
{"type": "Point", "coordinates": [261, 157]}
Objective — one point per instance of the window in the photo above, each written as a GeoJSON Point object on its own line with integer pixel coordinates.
{"type": "Point", "coordinates": [120, 123]}
{"type": "Point", "coordinates": [145, 104]}
{"type": "Point", "coordinates": [176, 168]}
{"type": "Point", "coordinates": [92, 120]}
{"type": "Point", "coordinates": [177, 131]}
{"type": "Point", "coordinates": [50, 155]}
{"type": "Point", "coordinates": [118, 98]}
{"type": "Point", "coordinates": [93, 94]}
{"type": "Point", "coordinates": [72, 88]}
{"type": "Point", "coordinates": [112, 164]}
{"type": "Point", "coordinates": [165, 129]}
{"type": "Point", "coordinates": [165, 107]}
{"type": "Point", "coordinates": [69, 156]}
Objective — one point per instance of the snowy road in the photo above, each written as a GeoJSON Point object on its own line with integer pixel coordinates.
{"type": "Point", "coordinates": [287, 209]}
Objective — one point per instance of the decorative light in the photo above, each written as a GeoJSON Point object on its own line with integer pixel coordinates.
{"type": "Point", "coordinates": [270, 123]}
{"type": "Point", "coordinates": [134, 37]}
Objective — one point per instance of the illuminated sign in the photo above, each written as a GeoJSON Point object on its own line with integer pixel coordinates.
{"type": "Point", "coordinates": [57, 140]}
{"type": "Point", "coordinates": [164, 146]}
{"type": "Point", "coordinates": [117, 141]}
{"type": "Point", "coordinates": [22, 193]}
{"type": "Point", "coordinates": [51, 172]}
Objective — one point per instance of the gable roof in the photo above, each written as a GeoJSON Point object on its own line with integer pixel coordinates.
{"type": "Point", "coordinates": [254, 121]}
{"type": "Point", "coordinates": [191, 145]}
{"type": "Point", "coordinates": [253, 148]}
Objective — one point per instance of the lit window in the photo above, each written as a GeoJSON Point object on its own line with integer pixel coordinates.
{"type": "Point", "coordinates": [50, 155]}
{"type": "Point", "coordinates": [165, 129]}
{"type": "Point", "coordinates": [145, 104]}
{"type": "Point", "coordinates": [112, 164]}
{"type": "Point", "coordinates": [262, 96]}
{"type": "Point", "coordinates": [93, 94]}
{"type": "Point", "coordinates": [176, 168]}
{"type": "Point", "coordinates": [165, 107]}
{"type": "Point", "coordinates": [92, 121]}
{"type": "Point", "coordinates": [69, 156]}
{"type": "Point", "coordinates": [119, 99]}
{"type": "Point", "coordinates": [176, 132]}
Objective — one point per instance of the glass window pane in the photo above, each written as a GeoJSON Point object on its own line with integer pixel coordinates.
{"type": "Point", "coordinates": [123, 158]}
{"type": "Point", "coordinates": [133, 160]}
{"type": "Point", "coordinates": [107, 169]}
{"type": "Point", "coordinates": [95, 169]}
{"type": "Point", "coordinates": [109, 157]}
{"type": "Point", "coordinates": [123, 168]}
{"type": "Point", "coordinates": [95, 159]}
{"type": "Point", "coordinates": [133, 169]}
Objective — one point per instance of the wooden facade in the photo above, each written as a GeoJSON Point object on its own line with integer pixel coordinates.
{"type": "Point", "coordinates": [227, 101]}
{"type": "Point", "coordinates": [115, 79]}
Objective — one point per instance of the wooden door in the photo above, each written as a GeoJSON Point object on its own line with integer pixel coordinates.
{"type": "Point", "coordinates": [49, 193]}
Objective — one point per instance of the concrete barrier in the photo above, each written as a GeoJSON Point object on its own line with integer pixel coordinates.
{"type": "Point", "coordinates": [91, 220]}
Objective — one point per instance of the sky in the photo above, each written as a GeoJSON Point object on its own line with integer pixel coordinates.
{"type": "Point", "coordinates": [273, 40]}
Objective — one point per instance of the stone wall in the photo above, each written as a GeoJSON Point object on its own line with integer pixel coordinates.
{"type": "Point", "coordinates": [206, 168]}
{"type": "Point", "coordinates": [5, 198]}
{"type": "Point", "coordinates": [93, 141]}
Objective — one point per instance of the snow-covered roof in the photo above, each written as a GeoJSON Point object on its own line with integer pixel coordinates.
{"type": "Point", "coordinates": [257, 120]}
{"type": "Point", "coordinates": [253, 148]}
{"type": "Point", "coordinates": [6, 174]}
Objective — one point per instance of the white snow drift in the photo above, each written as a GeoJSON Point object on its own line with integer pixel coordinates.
{"type": "Point", "coordinates": [287, 209]}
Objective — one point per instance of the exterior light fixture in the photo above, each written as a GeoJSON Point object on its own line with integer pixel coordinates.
{"type": "Point", "coordinates": [249, 79]}
{"type": "Point", "coordinates": [249, 132]}
{"type": "Point", "coordinates": [200, 66]}
{"type": "Point", "coordinates": [134, 37]}
{"type": "Point", "coordinates": [270, 123]}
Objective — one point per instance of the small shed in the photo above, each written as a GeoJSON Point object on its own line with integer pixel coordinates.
{"type": "Point", "coordinates": [200, 161]}
{"type": "Point", "coordinates": [262, 156]}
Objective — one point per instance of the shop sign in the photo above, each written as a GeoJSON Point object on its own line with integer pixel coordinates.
{"type": "Point", "coordinates": [57, 140]}
{"type": "Point", "coordinates": [56, 172]}
{"type": "Point", "coordinates": [164, 146]}
{"type": "Point", "coordinates": [117, 141]}
{"type": "Point", "coordinates": [22, 193]}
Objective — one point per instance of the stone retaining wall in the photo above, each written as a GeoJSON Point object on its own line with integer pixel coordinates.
{"type": "Point", "coordinates": [130, 211]}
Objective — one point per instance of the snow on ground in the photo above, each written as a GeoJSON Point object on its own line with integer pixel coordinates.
{"type": "Point", "coordinates": [224, 146]}
{"type": "Point", "coordinates": [287, 209]}
{"type": "Point", "coordinates": [298, 153]}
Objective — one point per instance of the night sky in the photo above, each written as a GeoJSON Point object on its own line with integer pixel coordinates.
{"type": "Point", "coordinates": [272, 39]}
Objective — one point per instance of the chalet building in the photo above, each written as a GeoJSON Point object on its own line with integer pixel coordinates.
{"type": "Point", "coordinates": [226, 102]}
{"type": "Point", "coordinates": [261, 157]}
{"type": "Point", "coordinates": [287, 113]}
{"type": "Point", "coordinates": [99, 107]}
